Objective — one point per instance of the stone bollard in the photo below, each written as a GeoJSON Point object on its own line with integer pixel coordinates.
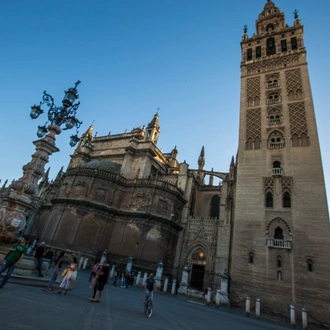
{"type": "Point", "coordinates": [257, 308]}
{"type": "Point", "coordinates": [304, 319]}
{"type": "Point", "coordinates": [159, 274]}
{"type": "Point", "coordinates": [247, 306]}
{"type": "Point", "coordinates": [292, 316]}
{"type": "Point", "coordinates": [217, 298]}
{"type": "Point", "coordinates": [173, 287]}
{"type": "Point", "coordinates": [80, 262]}
{"type": "Point", "coordinates": [85, 263]}
{"type": "Point", "coordinates": [138, 277]}
{"type": "Point", "coordinates": [112, 271]}
{"type": "Point", "coordinates": [209, 295]}
{"type": "Point", "coordinates": [165, 285]}
{"type": "Point", "coordinates": [129, 264]}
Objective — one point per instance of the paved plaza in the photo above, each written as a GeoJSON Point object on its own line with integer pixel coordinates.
{"type": "Point", "coordinates": [30, 307]}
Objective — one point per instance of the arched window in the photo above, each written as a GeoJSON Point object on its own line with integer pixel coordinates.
{"type": "Point", "coordinates": [275, 140]}
{"type": "Point", "coordinates": [269, 199]}
{"type": "Point", "coordinates": [271, 46]}
{"type": "Point", "coordinates": [279, 261]}
{"type": "Point", "coordinates": [257, 101]}
{"type": "Point", "coordinates": [274, 116]}
{"type": "Point", "coordinates": [310, 267]}
{"type": "Point", "coordinates": [276, 164]}
{"type": "Point", "coordinates": [273, 98]}
{"type": "Point", "coordinates": [257, 143]}
{"type": "Point", "coordinates": [270, 27]}
{"type": "Point", "coordinates": [273, 81]}
{"type": "Point", "coordinates": [215, 206]}
{"type": "Point", "coordinates": [286, 199]}
{"type": "Point", "coordinates": [299, 94]}
{"type": "Point", "coordinates": [250, 102]}
{"type": "Point", "coordinates": [249, 144]}
{"type": "Point", "coordinates": [199, 256]}
{"type": "Point", "coordinates": [304, 140]}
{"type": "Point", "coordinates": [278, 233]}
{"type": "Point", "coordinates": [279, 276]}
{"type": "Point", "coordinates": [295, 140]}
{"type": "Point", "coordinates": [251, 258]}
{"type": "Point", "coordinates": [291, 96]}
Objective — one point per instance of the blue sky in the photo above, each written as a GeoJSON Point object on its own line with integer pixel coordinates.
{"type": "Point", "coordinates": [134, 56]}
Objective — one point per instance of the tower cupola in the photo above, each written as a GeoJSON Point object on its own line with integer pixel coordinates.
{"type": "Point", "coordinates": [153, 130]}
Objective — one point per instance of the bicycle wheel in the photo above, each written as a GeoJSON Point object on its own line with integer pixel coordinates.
{"type": "Point", "coordinates": [148, 308]}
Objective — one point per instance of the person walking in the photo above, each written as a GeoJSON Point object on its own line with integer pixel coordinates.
{"type": "Point", "coordinates": [103, 275]}
{"type": "Point", "coordinates": [13, 259]}
{"type": "Point", "coordinates": [57, 268]}
{"type": "Point", "coordinates": [70, 276]}
{"type": "Point", "coordinates": [94, 270]}
{"type": "Point", "coordinates": [40, 251]}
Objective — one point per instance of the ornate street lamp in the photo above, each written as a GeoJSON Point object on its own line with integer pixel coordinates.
{"type": "Point", "coordinates": [58, 116]}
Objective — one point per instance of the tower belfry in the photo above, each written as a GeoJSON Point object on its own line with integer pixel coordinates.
{"type": "Point", "coordinates": [281, 235]}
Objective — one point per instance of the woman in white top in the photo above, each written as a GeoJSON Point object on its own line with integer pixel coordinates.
{"type": "Point", "coordinates": [70, 276]}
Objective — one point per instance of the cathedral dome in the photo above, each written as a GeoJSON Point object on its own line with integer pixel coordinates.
{"type": "Point", "coordinates": [103, 165]}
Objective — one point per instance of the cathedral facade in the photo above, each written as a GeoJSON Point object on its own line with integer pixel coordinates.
{"type": "Point", "coordinates": [264, 224]}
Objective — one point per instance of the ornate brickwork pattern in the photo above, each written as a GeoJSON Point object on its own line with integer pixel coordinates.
{"type": "Point", "coordinates": [253, 124]}
{"type": "Point", "coordinates": [298, 122]}
{"type": "Point", "coordinates": [286, 184]}
{"type": "Point", "coordinates": [253, 87]}
{"type": "Point", "coordinates": [272, 65]}
{"type": "Point", "coordinates": [275, 106]}
{"type": "Point", "coordinates": [268, 184]}
{"type": "Point", "coordinates": [293, 80]}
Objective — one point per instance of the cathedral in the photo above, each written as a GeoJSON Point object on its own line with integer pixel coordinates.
{"type": "Point", "coordinates": [264, 224]}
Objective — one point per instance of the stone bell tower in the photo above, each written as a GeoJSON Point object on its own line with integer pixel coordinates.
{"type": "Point", "coordinates": [281, 237]}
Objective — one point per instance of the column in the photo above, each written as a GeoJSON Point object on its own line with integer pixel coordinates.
{"type": "Point", "coordinates": [184, 280]}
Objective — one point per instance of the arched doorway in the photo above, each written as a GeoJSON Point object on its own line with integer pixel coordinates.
{"type": "Point", "coordinates": [198, 259]}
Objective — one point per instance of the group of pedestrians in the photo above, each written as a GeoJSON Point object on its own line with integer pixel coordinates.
{"type": "Point", "coordinates": [124, 278]}
{"type": "Point", "coordinates": [99, 275]}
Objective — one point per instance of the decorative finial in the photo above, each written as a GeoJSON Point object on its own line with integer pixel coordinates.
{"type": "Point", "coordinates": [245, 29]}
{"type": "Point", "coordinates": [295, 13]}
{"type": "Point", "coordinates": [76, 84]}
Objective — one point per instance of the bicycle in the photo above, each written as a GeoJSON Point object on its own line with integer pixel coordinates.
{"type": "Point", "coordinates": [148, 305]}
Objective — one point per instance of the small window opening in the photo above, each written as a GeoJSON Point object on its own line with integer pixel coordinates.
{"type": "Point", "coordinates": [279, 276]}
{"type": "Point", "coordinates": [310, 265]}
{"type": "Point", "coordinates": [284, 46]}
{"type": "Point", "coordinates": [279, 261]}
{"type": "Point", "coordinates": [251, 258]}
{"type": "Point", "coordinates": [294, 44]}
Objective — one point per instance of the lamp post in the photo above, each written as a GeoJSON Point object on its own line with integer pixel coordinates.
{"type": "Point", "coordinates": [22, 200]}
{"type": "Point", "coordinates": [64, 115]}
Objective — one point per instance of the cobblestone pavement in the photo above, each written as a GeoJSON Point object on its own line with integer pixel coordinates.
{"type": "Point", "coordinates": [28, 307]}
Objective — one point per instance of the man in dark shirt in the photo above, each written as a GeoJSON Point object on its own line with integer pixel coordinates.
{"type": "Point", "coordinates": [38, 255]}
{"type": "Point", "coordinates": [103, 275]}
{"type": "Point", "coordinates": [150, 285]}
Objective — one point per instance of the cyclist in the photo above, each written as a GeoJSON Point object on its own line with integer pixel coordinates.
{"type": "Point", "coordinates": [150, 285]}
